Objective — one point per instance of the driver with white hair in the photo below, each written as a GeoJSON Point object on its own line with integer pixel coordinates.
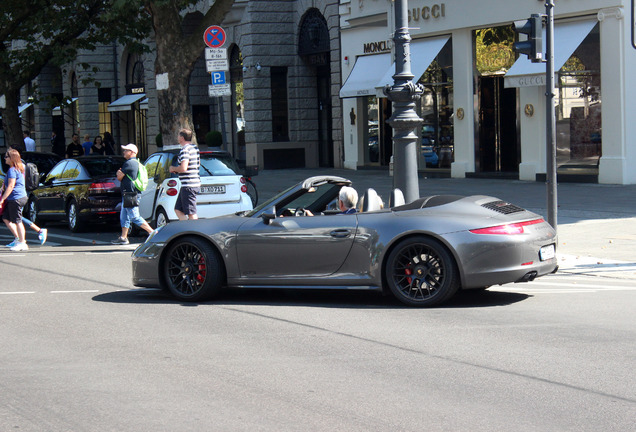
{"type": "Point", "coordinates": [347, 200]}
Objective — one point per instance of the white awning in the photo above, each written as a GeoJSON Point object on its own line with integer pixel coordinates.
{"type": "Point", "coordinates": [423, 52]}
{"type": "Point", "coordinates": [567, 38]}
{"type": "Point", "coordinates": [143, 104]}
{"type": "Point", "coordinates": [365, 75]}
{"type": "Point", "coordinates": [124, 103]}
{"type": "Point", "coordinates": [57, 111]}
{"type": "Point", "coordinates": [23, 107]}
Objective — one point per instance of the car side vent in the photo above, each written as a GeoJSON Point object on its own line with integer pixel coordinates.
{"type": "Point", "coordinates": [503, 207]}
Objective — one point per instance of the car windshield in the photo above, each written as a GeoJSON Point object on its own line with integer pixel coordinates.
{"type": "Point", "coordinates": [316, 199]}
{"type": "Point", "coordinates": [102, 166]}
{"type": "Point", "coordinates": [217, 165]}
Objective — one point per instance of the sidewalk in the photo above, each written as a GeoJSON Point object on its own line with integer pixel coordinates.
{"type": "Point", "coordinates": [596, 223]}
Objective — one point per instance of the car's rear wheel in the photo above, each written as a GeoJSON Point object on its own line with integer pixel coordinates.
{"type": "Point", "coordinates": [32, 212]}
{"type": "Point", "coordinates": [193, 270]}
{"type": "Point", "coordinates": [72, 217]}
{"type": "Point", "coordinates": [161, 218]}
{"type": "Point", "coordinates": [421, 272]}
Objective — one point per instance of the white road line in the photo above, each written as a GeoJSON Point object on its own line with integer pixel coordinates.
{"type": "Point", "coordinates": [17, 292]}
{"type": "Point", "coordinates": [57, 254]}
{"type": "Point", "coordinates": [582, 285]}
{"type": "Point", "coordinates": [73, 292]}
{"type": "Point", "coordinates": [108, 252]}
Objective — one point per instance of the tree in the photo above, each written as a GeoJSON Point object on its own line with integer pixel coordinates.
{"type": "Point", "coordinates": [35, 33]}
{"type": "Point", "coordinates": [178, 49]}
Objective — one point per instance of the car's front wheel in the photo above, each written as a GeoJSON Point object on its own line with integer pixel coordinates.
{"type": "Point", "coordinates": [192, 270]}
{"type": "Point", "coordinates": [421, 272]}
{"type": "Point", "coordinates": [72, 217]}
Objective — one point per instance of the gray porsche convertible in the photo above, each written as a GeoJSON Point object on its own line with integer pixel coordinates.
{"type": "Point", "coordinates": [422, 252]}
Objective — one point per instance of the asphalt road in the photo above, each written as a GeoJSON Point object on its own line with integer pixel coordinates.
{"type": "Point", "coordinates": [82, 350]}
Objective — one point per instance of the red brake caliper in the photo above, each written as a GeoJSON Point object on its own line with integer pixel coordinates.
{"type": "Point", "coordinates": [202, 272]}
{"type": "Point", "coordinates": [408, 272]}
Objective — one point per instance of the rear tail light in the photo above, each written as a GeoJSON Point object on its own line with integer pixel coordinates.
{"type": "Point", "coordinates": [172, 183]}
{"type": "Point", "coordinates": [243, 180]}
{"type": "Point", "coordinates": [101, 187]}
{"type": "Point", "coordinates": [243, 188]}
{"type": "Point", "coordinates": [172, 192]}
{"type": "Point", "coordinates": [507, 229]}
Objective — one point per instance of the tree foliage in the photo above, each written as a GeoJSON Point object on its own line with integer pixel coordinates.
{"type": "Point", "coordinates": [179, 44]}
{"type": "Point", "coordinates": [494, 52]}
{"type": "Point", "coordinates": [35, 33]}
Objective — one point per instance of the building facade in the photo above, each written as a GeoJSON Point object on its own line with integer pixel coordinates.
{"type": "Point", "coordinates": [306, 82]}
{"type": "Point", "coordinates": [284, 75]}
{"type": "Point", "coordinates": [483, 109]}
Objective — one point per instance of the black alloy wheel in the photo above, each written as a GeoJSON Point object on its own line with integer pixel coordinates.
{"type": "Point", "coordinates": [192, 270]}
{"type": "Point", "coordinates": [32, 212]}
{"type": "Point", "coordinates": [73, 218]}
{"type": "Point", "coordinates": [421, 272]}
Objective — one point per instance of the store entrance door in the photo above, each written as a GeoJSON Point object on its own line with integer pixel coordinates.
{"type": "Point", "coordinates": [325, 141]}
{"type": "Point", "coordinates": [498, 147]}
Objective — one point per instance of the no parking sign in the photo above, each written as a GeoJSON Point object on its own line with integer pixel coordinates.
{"type": "Point", "coordinates": [214, 36]}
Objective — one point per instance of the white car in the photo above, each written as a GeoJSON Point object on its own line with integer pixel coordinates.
{"type": "Point", "coordinates": [223, 189]}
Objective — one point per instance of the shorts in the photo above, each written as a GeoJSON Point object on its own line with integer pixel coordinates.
{"type": "Point", "coordinates": [128, 215]}
{"type": "Point", "coordinates": [187, 200]}
{"type": "Point", "coordinates": [12, 210]}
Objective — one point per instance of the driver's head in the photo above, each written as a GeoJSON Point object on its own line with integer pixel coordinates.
{"type": "Point", "coordinates": [348, 197]}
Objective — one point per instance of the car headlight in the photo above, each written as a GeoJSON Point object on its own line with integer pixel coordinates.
{"type": "Point", "coordinates": [154, 233]}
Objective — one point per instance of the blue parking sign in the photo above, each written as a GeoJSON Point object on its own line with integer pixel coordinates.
{"type": "Point", "coordinates": [218, 77]}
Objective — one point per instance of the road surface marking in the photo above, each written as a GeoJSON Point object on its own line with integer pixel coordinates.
{"type": "Point", "coordinates": [17, 292]}
{"type": "Point", "coordinates": [72, 292]}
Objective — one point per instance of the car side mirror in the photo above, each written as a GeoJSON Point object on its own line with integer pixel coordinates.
{"type": "Point", "coordinates": [269, 215]}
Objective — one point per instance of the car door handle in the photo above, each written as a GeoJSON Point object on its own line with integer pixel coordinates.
{"type": "Point", "coordinates": [340, 233]}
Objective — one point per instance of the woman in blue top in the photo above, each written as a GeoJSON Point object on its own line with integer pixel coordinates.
{"type": "Point", "coordinates": [13, 199]}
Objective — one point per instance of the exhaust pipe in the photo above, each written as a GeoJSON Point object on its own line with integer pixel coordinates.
{"type": "Point", "coordinates": [530, 276]}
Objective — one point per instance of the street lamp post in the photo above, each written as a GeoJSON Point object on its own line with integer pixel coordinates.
{"type": "Point", "coordinates": [404, 94]}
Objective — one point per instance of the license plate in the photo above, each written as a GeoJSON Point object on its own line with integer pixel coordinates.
{"type": "Point", "coordinates": [219, 189]}
{"type": "Point", "coordinates": [546, 252]}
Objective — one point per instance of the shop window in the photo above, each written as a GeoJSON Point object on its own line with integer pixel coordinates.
{"type": "Point", "coordinates": [74, 108]}
{"type": "Point", "coordinates": [436, 109]}
{"type": "Point", "coordinates": [373, 131]}
{"type": "Point", "coordinates": [280, 116]}
{"type": "Point", "coordinates": [105, 119]}
{"type": "Point", "coordinates": [578, 111]}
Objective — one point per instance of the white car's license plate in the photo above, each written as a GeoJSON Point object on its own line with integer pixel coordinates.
{"type": "Point", "coordinates": [546, 252]}
{"type": "Point", "coordinates": [218, 189]}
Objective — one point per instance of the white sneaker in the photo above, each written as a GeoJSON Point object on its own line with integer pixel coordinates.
{"type": "Point", "coordinates": [42, 235]}
{"type": "Point", "coordinates": [13, 243]}
{"type": "Point", "coordinates": [19, 247]}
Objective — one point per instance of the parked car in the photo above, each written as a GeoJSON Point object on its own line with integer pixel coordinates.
{"type": "Point", "coordinates": [223, 188]}
{"type": "Point", "coordinates": [43, 160]}
{"type": "Point", "coordinates": [422, 252]}
{"type": "Point", "coordinates": [78, 191]}
{"type": "Point", "coordinates": [428, 151]}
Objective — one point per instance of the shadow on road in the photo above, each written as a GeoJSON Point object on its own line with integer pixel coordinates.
{"type": "Point", "coordinates": [311, 298]}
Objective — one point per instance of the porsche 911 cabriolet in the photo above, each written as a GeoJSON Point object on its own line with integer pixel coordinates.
{"type": "Point", "coordinates": [422, 252]}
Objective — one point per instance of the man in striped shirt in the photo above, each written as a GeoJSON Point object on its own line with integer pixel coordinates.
{"type": "Point", "coordinates": [188, 170]}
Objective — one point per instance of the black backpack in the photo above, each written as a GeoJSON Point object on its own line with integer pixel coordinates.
{"type": "Point", "coordinates": [31, 176]}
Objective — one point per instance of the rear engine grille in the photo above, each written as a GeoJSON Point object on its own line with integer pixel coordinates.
{"type": "Point", "coordinates": [503, 207]}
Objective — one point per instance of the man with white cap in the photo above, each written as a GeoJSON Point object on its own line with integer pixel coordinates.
{"type": "Point", "coordinates": [130, 204]}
